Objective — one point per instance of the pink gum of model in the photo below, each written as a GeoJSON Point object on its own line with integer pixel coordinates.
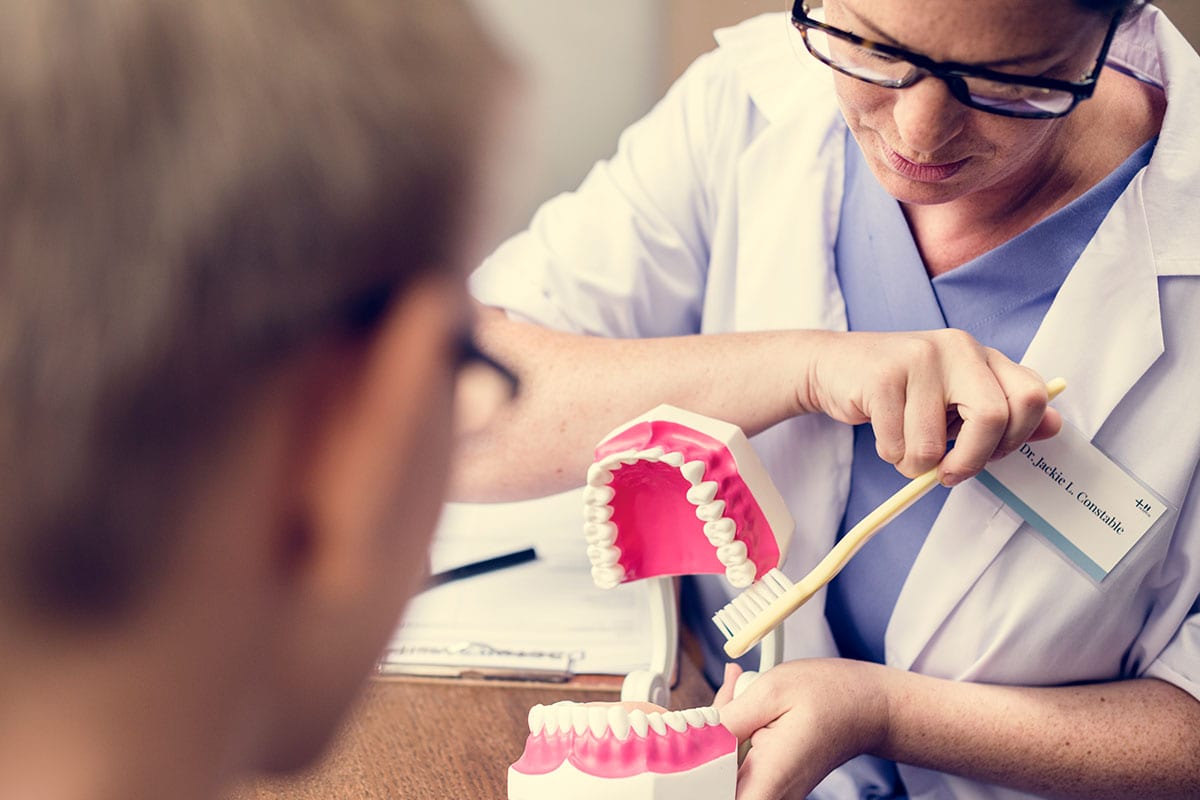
{"type": "Point", "coordinates": [595, 751]}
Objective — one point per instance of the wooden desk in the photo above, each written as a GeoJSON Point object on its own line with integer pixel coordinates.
{"type": "Point", "coordinates": [418, 740]}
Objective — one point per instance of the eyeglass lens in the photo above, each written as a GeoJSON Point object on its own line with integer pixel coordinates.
{"type": "Point", "coordinates": [887, 70]}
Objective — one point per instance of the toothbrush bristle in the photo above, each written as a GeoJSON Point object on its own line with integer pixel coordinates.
{"type": "Point", "coordinates": [738, 612]}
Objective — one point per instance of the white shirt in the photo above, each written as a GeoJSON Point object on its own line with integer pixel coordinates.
{"type": "Point", "coordinates": [719, 212]}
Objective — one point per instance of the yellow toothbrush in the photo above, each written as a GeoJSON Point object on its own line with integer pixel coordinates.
{"type": "Point", "coordinates": [759, 609]}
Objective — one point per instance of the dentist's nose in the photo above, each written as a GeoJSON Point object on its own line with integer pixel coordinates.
{"type": "Point", "coordinates": [927, 116]}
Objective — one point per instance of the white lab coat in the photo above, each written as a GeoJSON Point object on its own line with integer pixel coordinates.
{"type": "Point", "coordinates": [719, 213]}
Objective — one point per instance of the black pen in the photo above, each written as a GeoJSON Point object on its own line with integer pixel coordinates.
{"type": "Point", "coordinates": [481, 567]}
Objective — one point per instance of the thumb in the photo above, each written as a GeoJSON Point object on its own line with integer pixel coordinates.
{"type": "Point", "coordinates": [745, 714]}
{"type": "Point", "coordinates": [1049, 427]}
{"type": "Point", "coordinates": [728, 683]}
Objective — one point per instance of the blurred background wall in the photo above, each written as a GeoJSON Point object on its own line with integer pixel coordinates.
{"type": "Point", "coordinates": [592, 68]}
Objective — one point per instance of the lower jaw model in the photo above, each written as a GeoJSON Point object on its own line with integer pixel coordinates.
{"type": "Point", "coordinates": [592, 751]}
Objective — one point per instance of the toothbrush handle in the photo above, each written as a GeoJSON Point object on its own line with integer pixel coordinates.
{"type": "Point", "coordinates": [830, 565]}
{"type": "Point", "coordinates": [842, 552]}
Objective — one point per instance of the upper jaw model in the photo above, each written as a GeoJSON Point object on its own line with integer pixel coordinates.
{"type": "Point", "coordinates": [596, 751]}
{"type": "Point", "coordinates": [666, 483]}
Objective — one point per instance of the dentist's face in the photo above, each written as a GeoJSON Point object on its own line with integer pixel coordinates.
{"type": "Point", "coordinates": [922, 144]}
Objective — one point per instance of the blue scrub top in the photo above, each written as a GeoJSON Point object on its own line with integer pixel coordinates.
{"type": "Point", "coordinates": [999, 298]}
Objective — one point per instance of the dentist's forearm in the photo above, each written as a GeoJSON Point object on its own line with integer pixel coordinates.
{"type": "Point", "coordinates": [575, 389]}
{"type": "Point", "coordinates": [1136, 738]}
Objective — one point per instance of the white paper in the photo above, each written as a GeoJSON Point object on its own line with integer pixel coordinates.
{"type": "Point", "coordinates": [540, 615]}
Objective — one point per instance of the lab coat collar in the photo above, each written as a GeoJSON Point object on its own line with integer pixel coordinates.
{"type": "Point", "coordinates": [1172, 179]}
{"type": "Point", "coordinates": [772, 63]}
{"type": "Point", "coordinates": [1109, 303]}
{"type": "Point", "coordinates": [767, 222]}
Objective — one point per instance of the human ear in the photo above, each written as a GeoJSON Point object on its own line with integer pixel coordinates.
{"type": "Point", "coordinates": [367, 495]}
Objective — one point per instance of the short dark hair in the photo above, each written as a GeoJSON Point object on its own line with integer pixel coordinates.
{"type": "Point", "coordinates": [189, 192]}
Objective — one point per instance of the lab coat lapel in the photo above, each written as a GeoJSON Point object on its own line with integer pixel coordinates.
{"type": "Point", "coordinates": [1108, 305]}
{"type": "Point", "coordinates": [787, 218]}
{"type": "Point", "coordinates": [789, 187]}
{"type": "Point", "coordinates": [791, 218]}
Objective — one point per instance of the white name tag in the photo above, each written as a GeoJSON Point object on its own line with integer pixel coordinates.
{"type": "Point", "coordinates": [1074, 495]}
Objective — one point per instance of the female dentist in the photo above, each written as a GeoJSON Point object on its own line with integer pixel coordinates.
{"type": "Point", "coordinates": [872, 214]}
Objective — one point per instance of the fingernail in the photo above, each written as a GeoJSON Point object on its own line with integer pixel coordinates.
{"type": "Point", "coordinates": [950, 479]}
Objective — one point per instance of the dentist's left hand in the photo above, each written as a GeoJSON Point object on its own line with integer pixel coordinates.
{"type": "Point", "coordinates": [803, 719]}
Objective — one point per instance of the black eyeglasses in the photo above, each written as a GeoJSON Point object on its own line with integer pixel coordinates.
{"type": "Point", "coordinates": [483, 386]}
{"type": "Point", "coordinates": [1024, 96]}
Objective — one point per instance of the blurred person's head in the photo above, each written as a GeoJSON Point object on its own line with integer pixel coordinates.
{"type": "Point", "coordinates": [233, 237]}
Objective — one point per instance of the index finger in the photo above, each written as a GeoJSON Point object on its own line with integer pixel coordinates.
{"type": "Point", "coordinates": [1028, 416]}
{"type": "Point", "coordinates": [984, 414]}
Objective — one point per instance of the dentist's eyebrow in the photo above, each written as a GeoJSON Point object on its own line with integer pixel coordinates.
{"type": "Point", "coordinates": [876, 34]}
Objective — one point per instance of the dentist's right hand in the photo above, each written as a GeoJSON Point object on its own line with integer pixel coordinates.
{"type": "Point", "coordinates": [920, 389]}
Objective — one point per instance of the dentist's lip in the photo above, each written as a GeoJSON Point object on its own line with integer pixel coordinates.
{"type": "Point", "coordinates": [925, 173]}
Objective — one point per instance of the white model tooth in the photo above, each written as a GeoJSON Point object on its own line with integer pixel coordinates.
{"type": "Point", "coordinates": [741, 575]}
{"type": "Point", "coordinates": [639, 723]}
{"type": "Point", "coordinates": [600, 533]}
{"type": "Point", "coordinates": [628, 456]}
{"type": "Point", "coordinates": [551, 720]}
{"type": "Point", "coordinates": [711, 715]}
{"type": "Point", "coordinates": [566, 714]}
{"type": "Point", "coordinates": [652, 454]}
{"type": "Point", "coordinates": [674, 459]}
{"type": "Point", "coordinates": [598, 495]}
{"type": "Point", "coordinates": [731, 554]}
{"type": "Point", "coordinates": [675, 721]}
{"type": "Point", "coordinates": [603, 556]}
{"type": "Point", "coordinates": [597, 720]}
{"type": "Point", "coordinates": [618, 722]}
{"type": "Point", "coordinates": [537, 718]}
{"type": "Point", "coordinates": [702, 493]}
{"type": "Point", "coordinates": [598, 475]}
{"type": "Point", "coordinates": [579, 718]}
{"type": "Point", "coordinates": [655, 718]}
{"type": "Point", "coordinates": [693, 471]}
{"type": "Point", "coordinates": [711, 512]}
{"type": "Point", "coordinates": [611, 462]}
{"type": "Point", "coordinates": [693, 717]}
{"type": "Point", "coordinates": [598, 513]}
{"type": "Point", "coordinates": [608, 577]}
{"type": "Point", "coordinates": [719, 532]}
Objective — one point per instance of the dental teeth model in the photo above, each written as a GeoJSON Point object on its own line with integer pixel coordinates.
{"type": "Point", "coordinates": [670, 493]}
{"type": "Point", "coordinates": [596, 751]}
